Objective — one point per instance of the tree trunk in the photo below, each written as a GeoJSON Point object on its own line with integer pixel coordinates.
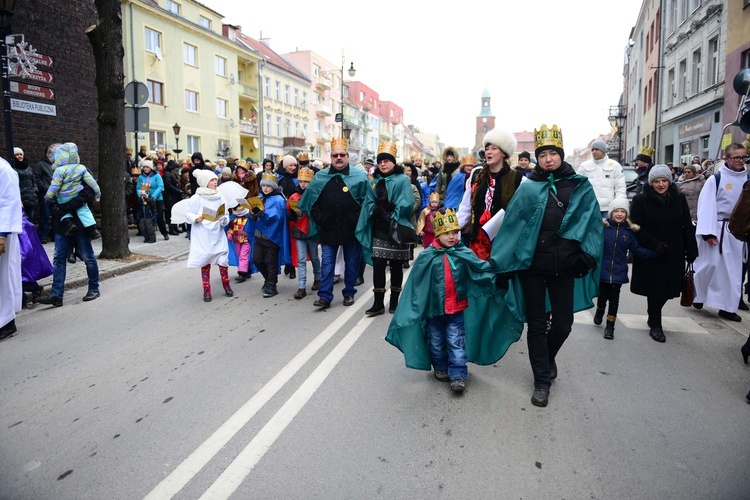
{"type": "Point", "coordinates": [106, 41]}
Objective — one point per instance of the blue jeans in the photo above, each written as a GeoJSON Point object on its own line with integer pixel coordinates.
{"type": "Point", "coordinates": [305, 247]}
{"type": "Point", "coordinates": [352, 255]}
{"type": "Point", "coordinates": [59, 262]}
{"type": "Point", "coordinates": [447, 340]}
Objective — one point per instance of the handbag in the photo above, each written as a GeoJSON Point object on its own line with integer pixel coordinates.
{"type": "Point", "coordinates": [688, 287]}
{"type": "Point", "coordinates": [403, 235]}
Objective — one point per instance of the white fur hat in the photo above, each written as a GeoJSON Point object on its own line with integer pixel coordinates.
{"type": "Point", "coordinates": [619, 202]}
{"type": "Point", "coordinates": [503, 139]}
{"type": "Point", "coordinates": [204, 176]}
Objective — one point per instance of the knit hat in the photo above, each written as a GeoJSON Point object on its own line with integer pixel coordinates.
{"type": "Point", "coordinates": [289, 160]}
{"type": "Point", "coordinates": [659, 172]}
{"type": "Point", "coordinates": [226, 170]}
{"type": "Point", "coordinates": [17, 151]}
{"type": "Point", "coordinates": [525, 154]}
{"type": "Point", "coordinates": [147, 163]}
{"type": "Point", "coordinates": [691, 168]}
{"type": "Point", "coordinates": [503, 139]}
{"type": "Point", "coordinates": [203, 177]}
{"type": "Point", "coordinates": [600, 145]}
{"type": "Point", "coordinates": [619, 202]}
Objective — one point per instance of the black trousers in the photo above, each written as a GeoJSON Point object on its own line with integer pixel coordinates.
{"type": "Point", "coordinates": [266, 259]}
{"type": "Point", "coordinates": [544, 346]}
{"type": "Point", "coordinates": [378, 272]}
{"type": "Point", "coordinates": [609, 292]}
{"type": "Point", "coordinates": [655, 305]}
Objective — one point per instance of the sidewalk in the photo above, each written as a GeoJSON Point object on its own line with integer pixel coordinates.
{"type": "Point", "coordinates": [143, 254]}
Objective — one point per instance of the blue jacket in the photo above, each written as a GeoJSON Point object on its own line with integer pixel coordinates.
{"type": "Point", "coordinates": [155, 182]}
{"type": "Point", "coordinates": [618, 239]}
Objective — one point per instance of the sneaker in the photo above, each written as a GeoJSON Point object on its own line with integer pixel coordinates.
{"type": "Point", "coordinates": [348, 301]}
{"type": "Point", "coordinates": [442, 376]}
{"type": "Point", "coordinates": [301, 294]}
{"type": "Point", "coordinates": [540, 397]}
{"type": "Point", "coordinates": [322, 303]}
{"type": "Point", "coordinates": [270, 291]}
{"type": "Point", "coordinates": [458, 385]}
{"type": "Point", "coordinates": [91, 295]}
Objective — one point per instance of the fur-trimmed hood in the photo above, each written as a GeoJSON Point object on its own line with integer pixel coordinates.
{"type": "Point", "coordinates": [633, 227]}
{"type": "Point", "coordinates": [450, 150]}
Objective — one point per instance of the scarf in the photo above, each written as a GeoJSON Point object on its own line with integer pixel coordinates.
{"type": "Point", "coordinates": [208, 193]}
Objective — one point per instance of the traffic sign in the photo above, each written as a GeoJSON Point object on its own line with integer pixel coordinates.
{"type": "Point", "coordinates": [136, 93]}
{"type": "Point", "coordinates": [32, 90]}
{"type": "Point", "coordinates": [38, 75]}
{"type": "Point", "coordinates": [42, 59]}
{"type": "Point", "coordinates": [39, 108]}
{"type": "Point", "coordinates": [136, 119]}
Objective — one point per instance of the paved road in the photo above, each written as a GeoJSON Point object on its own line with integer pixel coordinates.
{"type": "Point", "coordinates": [149, 392]}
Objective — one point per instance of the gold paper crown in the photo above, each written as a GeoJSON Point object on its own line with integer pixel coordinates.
{"type": "Point", "coordinates": [303, 157]}
{"type": "Point", "coordinates": [548, 137]}
{"type": "Point", "coordinates": [339, 143]}
{"type": "Point", "coordinates": [416, 156]}
{"type": "Point", "coordinates": [443, 223]}
{"type": "Point", "coordinates": [434, 197]}
{"type": "Point", "coordinates": [129, 150]}
{"type": "Point", "coordinates": [305, 174]}
{"type": "Point", "coordinates": [645, 150]}
{"type": "Point", "coordinates": [388, 147]}
{"type": "Point", "coordinates": [269, 176]}
{"type": "Point", "coordinates": [467, 160]}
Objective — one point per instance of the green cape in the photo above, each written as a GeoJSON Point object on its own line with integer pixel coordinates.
{"type": "Point", "coordinates": [490, 328]}
{"type": "Point", "coordinates": [400, 194]}
{"type": "Point", "coordinates": [514, 245]}
{"type": "Point", "coordinates": [356, 181]}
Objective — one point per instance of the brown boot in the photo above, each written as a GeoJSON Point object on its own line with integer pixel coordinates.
{"type": "Point", "coordinates": [301, 294]}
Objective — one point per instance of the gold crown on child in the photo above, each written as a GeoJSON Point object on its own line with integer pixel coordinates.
{"type": "Point", "coordinates": [443, 223]}
{"type": "Point", "coordinates": [269, 176]}
{"type": "Point", "coordinates": [305, 174]}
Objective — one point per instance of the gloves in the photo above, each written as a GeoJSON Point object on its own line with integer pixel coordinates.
{"type": "Point", "coordinates": [2, 244]}
{"type": "Point", "coordinates": [583, 265]}
{"type": "Point", "coordinates": [502, 280]}
{"type": "Point", "coordinates": [292, 215]}
{"type": "Point", "coordinates": [661, 248]}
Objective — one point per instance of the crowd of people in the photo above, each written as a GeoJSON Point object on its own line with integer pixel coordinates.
{"type": "Point", "coordinates": [503, 246]}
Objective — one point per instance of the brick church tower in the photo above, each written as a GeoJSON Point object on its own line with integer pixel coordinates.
{"type": "Point", "coordinates": [485, 120]}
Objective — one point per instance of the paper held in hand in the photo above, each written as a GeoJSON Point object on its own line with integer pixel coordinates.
{"type": "Point", "coordinates": [243, 203]}
{"type": "Point", "coordinates": [213, 215]}
{"type": "Point", "coordinates": [293, 204]}
{"type": "Point", "coordinates": [256, 202]}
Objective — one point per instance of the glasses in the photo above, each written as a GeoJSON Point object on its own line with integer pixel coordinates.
{"type": "Point", "coordinates": [338, 155]}
{"type": "Point", "coordinates": [739, 158]}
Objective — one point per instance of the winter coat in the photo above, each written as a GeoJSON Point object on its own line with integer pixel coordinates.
{"type": "Point", "coordinates": [27, 183]}
{"type": "Point", "coordinates": [444, 178]}
{"type": "Point", "coordinates": [43, 174]}
{"type": "Point", "coordinates": [155, 185]}
{"type": "Point", "coordinates": [172, 190]}
{"type": "Point", "coordinates": [663, 219]}
{"type": "Point", "coordinates": [607, 179]}
{"type": "Point", "coordinates": [618, 239]}
{"type": "Point", "coordinates": [691, 188]}
{"type": "Point", "coordinates": [287, 182]}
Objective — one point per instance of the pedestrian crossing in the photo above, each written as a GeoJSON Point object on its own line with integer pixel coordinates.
{"type": "Point", "coordinates": [638, 322]}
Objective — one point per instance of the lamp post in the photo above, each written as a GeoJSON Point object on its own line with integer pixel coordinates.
{"type": "Point", "coordinates": [176, 130]}
{"type": "Point", "coordinates": [6, 12]}
{"type": "Point", "coordinates": [312, 151]}
{"type": "Point", "coordinates": [352, 72]}
{"type": "Point", "coordinates": [617, 118]}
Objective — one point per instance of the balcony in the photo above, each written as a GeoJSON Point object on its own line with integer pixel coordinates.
{"type": "Point", "coordinates": [248, 127]}
{"type": "Point", "coordinates": [324, 83]}
{"type": "Point", "coordinates": [323, 137]}
{"type": "Point", "coordinates": [322, 110]}
{"type": "Point", "coordinates": [248, 91]}
{"type": "Point", "coordinates": [294, 142]}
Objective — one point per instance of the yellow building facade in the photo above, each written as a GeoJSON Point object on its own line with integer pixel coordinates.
{"type": "Point", "coordinates": [197, 76]}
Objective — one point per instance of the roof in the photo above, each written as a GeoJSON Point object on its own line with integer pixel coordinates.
{"type": "Point", "coordinates": [270, 56]}
{"type": "Point", "coordinates": [486, 93]}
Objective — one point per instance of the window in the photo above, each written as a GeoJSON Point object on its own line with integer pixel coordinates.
{"type": "Point", "coordinates": [670, 89]}
{"type": "Point", "coordinates": [223, 150]}
{"type": "Point", "coordinates": [278, 126]}
{"type": "Point", "coordinates": [316, 70]}
{"type": "Point", "coordinates": [278, 90]}
{"type": "Point", "coordinates": [193, 144]}
{"type": "Point", "coordinates": [296, 129]}
{"type": "Point", "coordinates": [713, 64]}
{"type": "Point", "coordinates": [683, 10]}
{"type": "Point", "coordinates": [696, 71]}
{"type": "Point", "coordinates": [156, 139]}
{"type": "Point", "coordinates": [673, 21]}
{"type": "Point", "coordinates": [681, 91]}
{"type": "Point", "coordinates": [304, 100]}
{"type": "Point", "coordinates": [191, 101]}
{"type": "Point", "coordinates": [153, 41]}
{"type": "Point", "coordinates": [304, 129]}
{"type": "Point", "coordinates": [173, 7]}
{"type": "Point", "coordinates": [288, 128]}
{"type": "Point", "coordinates": [361, 96]}
{"type": "Point", "coordinates": [316, 98]}
{"type": "Point", "coordinates": [205, 22]}
{"type": "Point", "coordinates": [221, 66]}
{"type": "Point", "coordinates": [155, 92]}
{"type": "Point", "coordinates": [221, 108]}
{"type": "Point", "coordinates": [296, 98]}
{"type": "Point", "coordinates": [190, 54]}
{"type": "Point", "coordinates": [268, 124]}
{"type": "Point", "coordinates": [318, 126]}
{"type": "Point", "coordinates": [287, 94]}
{"type": "Point", "coordinates": [696, 4]}
{"type": "Point", "coordinates": [267, 86]}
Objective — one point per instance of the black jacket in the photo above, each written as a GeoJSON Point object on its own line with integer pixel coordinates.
{"type": "Point", "coordinates": [27, 183]}
{"type": "Point", "coordinates": [172, 191]}
{"type": "Point", "coordinates": [336, 212]}
{"type": "Point", "coordinates": [43, 173]}
{"type": "Point", "coordinates": [286, 181]}
{"type": "Point", "coordinates": [663, 219]}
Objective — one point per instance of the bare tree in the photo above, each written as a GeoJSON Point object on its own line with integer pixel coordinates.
{"type": "Point", "coordinates": [106, 41]}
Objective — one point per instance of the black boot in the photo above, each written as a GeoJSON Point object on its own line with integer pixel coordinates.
{"type": "Point", "coordinates": [746, 350]}
{"type": "Point", "coordinates": [395, 292]}
{"type": "Point", "coordinates": [599, 315]}
{"type": "Point", "coordinates": [173, 230]}
{"type": "Point", "coordinates": [378, 307]}
{"type": "Point", "coordinates": [609, 330]}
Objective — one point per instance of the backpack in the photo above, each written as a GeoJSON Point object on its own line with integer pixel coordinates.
{"type": "Point", "coordinates": [739, 221]}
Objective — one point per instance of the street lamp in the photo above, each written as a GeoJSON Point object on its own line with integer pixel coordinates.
{"type": "Point", "coordinates": [352, 72]}
{"type": "Point", "coordinates": [176, 130]}
{"type": "Point", "coordinates": [6, 12]}
{"type": "Point", "coordinates": [617, 118]}
{"type": "Point", "coordinates": [312, 151]}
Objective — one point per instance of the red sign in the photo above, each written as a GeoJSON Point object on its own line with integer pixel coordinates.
{"type": "Point", "coordinates": [42, 59]}
{"type": "Point", "coordinates": [32, 90]}
{"type": "Point", "coordinates": [38, 75]}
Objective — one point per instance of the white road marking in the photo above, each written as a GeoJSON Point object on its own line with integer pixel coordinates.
{"type": "Point", "coordinates": [174, 482]}
{"type": "Point", "coordinates": [240, 468]}
{"type": "Point", "coordinates": [638, 322]}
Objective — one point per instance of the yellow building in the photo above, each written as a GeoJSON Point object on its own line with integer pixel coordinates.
{"type": "Point", "coordinates": [197, 77]}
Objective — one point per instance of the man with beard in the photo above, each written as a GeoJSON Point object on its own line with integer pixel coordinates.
{"type": "Point", "coordinates": [450, 167]}
{"type": "Point", "coordinates": [333, 200]}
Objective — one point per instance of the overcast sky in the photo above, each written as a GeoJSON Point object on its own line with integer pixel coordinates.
{"type": "Point", "coordinates": [543, 61]}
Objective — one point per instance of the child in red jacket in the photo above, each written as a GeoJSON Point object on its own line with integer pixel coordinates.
{"type": "Point", "coordinates": [300, 224]}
